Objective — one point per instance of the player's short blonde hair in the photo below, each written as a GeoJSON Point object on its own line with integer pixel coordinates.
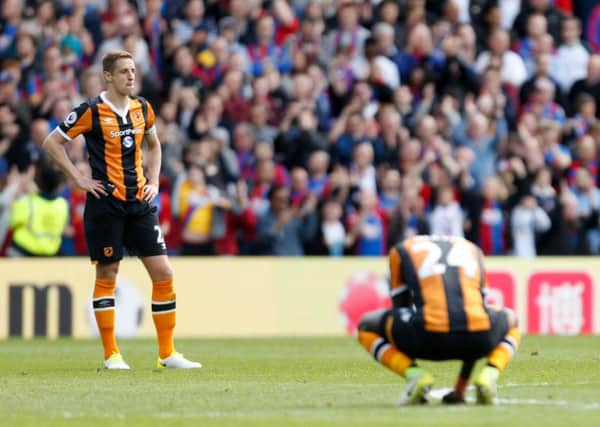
{"type": "Point", "coordinates": [110, 59]}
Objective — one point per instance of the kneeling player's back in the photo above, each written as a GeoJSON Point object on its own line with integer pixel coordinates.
{"type": "Point", "coordinates": [445, 277]}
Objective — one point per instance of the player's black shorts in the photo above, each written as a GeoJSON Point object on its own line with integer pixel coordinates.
{"type": "Point", "coordinates": [411, 338]}
{"type": "Point", "coordinates": [111, 225]}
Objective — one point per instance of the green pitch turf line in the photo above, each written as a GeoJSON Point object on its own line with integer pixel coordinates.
{"type": "Point", "coordinates": [554, 381]}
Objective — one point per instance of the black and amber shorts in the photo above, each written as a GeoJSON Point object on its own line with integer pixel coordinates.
{"type": "Point", "coordinates": [112, 225]}
{"type": "Point", "coordinates": [407, 334]}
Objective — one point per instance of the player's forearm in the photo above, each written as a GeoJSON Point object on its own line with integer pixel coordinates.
{"type": "Point", "coordinates": [154, 157]}
{"type": "Point", "coordinates": [58, 154]}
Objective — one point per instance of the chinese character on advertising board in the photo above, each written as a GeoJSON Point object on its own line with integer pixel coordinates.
{"type": "Point", "coordinates": [560, 303]}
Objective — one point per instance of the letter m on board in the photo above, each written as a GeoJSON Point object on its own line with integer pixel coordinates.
{"type": "Point", "coordinates": [19, 297]}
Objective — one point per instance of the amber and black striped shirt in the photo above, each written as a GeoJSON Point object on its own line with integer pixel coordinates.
{"type": "Point", "coordinates": [445, 278]}
{"type": "Point", "coordinates": [113, 141]}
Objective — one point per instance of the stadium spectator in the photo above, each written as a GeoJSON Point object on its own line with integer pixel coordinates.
{"type": "Point", "coordinates": [367, 227]}
{"type": "Point", "coordinates": [196, 206]}
{"type": "Point", "coordinates": [527, 220]}
{"type": "Point", "coordinates": [38, 219]}
{"type": "Point", "coordinates": [362, 170]}
{"type": "Point", "coordinates": [446, 218]}
{"type": "Point", "coordinates": [486, 18]}
{"type": "Point", "coordinates": [73, 241]}
{"type": "Point", "coordinates": [13, 137]}
{"type": "Point", "coordinates": [308, 39]}
{"type": "Point", "coordinates": [542, 104]}
{"type": "Point", "coordinates": [298, 143]}
{"type": "Point", "coordinates": [467, 44]}
{"type": "Point", "coordinates": [571, 57]}
{"type": "Point", "coordinates": [553, 16]}
{"type": "Point", "coordinates": [12, 14]}
{"type": "Point", "coordinates": [585, 157]}
{"type": "Point", "coordinates": [544, 64]}
{"type": "Point", "coordinates": [268, 46]}
{"type": "Point", "coordinates": [587, 195]}
{"type": "Point", "coordinates": [584, 118]}
{"type": "Point", "coordinates": [332, 230]}
{"type": "Point", "coordinates": [347, 38]}
{"type": "Point", "coordinates": [430, 86]}
{"type": "Point", "coordinates": [555, 154]}
{"type": "Point", "coordinates": [299, 189]}
{"type": "Point", "coordinates": [593, 24]}
{"type": "Point", "coordinates": [476, 135]}
{"type": "Point", "coordinates": [12, 185]}
{"type": "Point", "coordinates": [193, 16]}
{"type": "Point", "coordinates": [527, 47]}
{"type": "Point", "coordinates": [542, 189]}
{"type": "Point", "coordinates": [237, 219]}
{"type": "Point", "coordinates": [512, 67]}
{"type": "Point", "coordinates": [568, 234]}
{"type": "Point", "coordinates": [455, 75]}
{"type": "Point", "coordinates": [388, 11]}
{"type": "Point", "coordinates": [409, 331]}
{"type": "Point", "coordinates": [486, 215]}
{"type": "Point", "coordinates": [391, 192]}
{"type": "Point", "coordinates": [418, 56]}
{"type": "Point", "coordinates": [590, 84]}
{"type": "Point", "coordinates": [283, 230]}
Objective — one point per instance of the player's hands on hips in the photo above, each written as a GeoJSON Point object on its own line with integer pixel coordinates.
{"type": "Point", "coordinates": [150, 191]}
{"type": "Point", "coordinates": [91, 186]}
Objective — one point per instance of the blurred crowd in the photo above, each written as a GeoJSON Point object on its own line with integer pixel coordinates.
{"type": "Point", "coordinates": [331, 127]}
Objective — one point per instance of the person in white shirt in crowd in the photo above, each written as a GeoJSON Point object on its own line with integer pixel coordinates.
{"type": "Point", "coordinates": [446, 219]}
{"type": "Point", "coordinates": [527, 219]}
{"type": "Point", "coordinates": [571, 58]}
{"type": "Point", "coordinates": [385, 68]}
{"type": "Point", "coordinates": [509, 9]}
{"type": "Point", "coordinates": [512, 67]}
{"type": "Point", "coordinates": [362, 171]}
{"type": "Point", "coordinates": [334, 233]}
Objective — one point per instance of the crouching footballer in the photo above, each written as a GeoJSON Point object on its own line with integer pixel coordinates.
{"type": "Point", "coordinates": [437, 286]}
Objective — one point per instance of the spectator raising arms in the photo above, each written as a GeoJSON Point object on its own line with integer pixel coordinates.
{"type": "Point", "coordinates": [388, 114]}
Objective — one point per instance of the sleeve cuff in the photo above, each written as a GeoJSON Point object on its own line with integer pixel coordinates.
{"type": "Point", "coordinates": [151, 131]}
{"type": "Point", "coordinates": [63, 134]}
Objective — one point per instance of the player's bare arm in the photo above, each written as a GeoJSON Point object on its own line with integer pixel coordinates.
{"type": "Point", "coordinates": [53, 145]}
{"type": "Point", "coordinates": [153, 161]}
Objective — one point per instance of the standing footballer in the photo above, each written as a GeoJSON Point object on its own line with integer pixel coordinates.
{"type": "Point", "coordinates": [118, 212]}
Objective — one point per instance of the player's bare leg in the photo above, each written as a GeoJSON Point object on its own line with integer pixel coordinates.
{"type": "Point", "coordinates": [104, 310]}
{"type": "Point", "coordinates": [163, 312]}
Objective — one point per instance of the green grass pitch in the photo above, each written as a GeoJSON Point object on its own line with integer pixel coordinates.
{"type": "Point", "coordinates": [553, 381]}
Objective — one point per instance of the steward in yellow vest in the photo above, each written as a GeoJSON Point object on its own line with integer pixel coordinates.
{"type": "Point", "coordinates": [39, 219]}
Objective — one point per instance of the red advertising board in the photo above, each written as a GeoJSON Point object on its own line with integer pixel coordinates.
{"type": "Point", "coordinates": [560, 303]}
{"type": "Point", "coordinates": [501, 289]}
{"type": "Point", "coordinates": [363, 292]}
